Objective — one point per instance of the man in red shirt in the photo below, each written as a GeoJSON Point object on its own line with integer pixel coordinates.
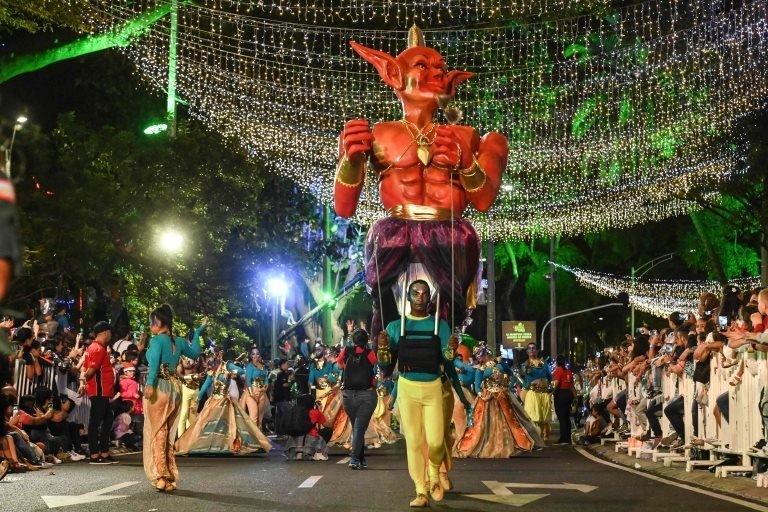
{"type": "Point", "coordinates": [97, 379]}
{"type": "Point", "coordinates": [562, 378]}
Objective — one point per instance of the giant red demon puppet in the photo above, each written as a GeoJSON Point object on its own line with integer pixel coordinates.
{"type": "Point", "coordinates": [428, 174]}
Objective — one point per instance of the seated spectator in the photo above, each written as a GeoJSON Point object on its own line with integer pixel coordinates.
{"type": "Point", "coordinates": [60, 426]}
{"type": "Point", "coordinates": [594, 427]}
{"type": "Point", "coordinates": [35, 423]}
{"type": "Point", "coordinates": [121, 428]}
{"type": "Point", "coordinates": [311, 445]}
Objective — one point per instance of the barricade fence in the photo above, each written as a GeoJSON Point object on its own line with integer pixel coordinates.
{"type": "Point", "coordinates": [738, 378]}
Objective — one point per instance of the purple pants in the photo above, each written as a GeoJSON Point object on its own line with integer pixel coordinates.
{"type": "Point", "coordinates": [401, 242]}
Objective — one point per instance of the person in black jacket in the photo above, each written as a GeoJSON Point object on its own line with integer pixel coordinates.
{"type": "Point", "coordinates": [358, 383]}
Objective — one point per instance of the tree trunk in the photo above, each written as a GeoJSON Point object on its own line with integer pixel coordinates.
{"type": "Point", "coordinates": [763, 216]}
{"type": "Point", "coordinates": [714, 259]}
{"type": "Point", "coordinates": [15, 66]}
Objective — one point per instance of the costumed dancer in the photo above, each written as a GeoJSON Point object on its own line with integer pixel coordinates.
{"type": "Point", "coordinates": [323, 378]}
{"type": "Point", "coordinates": [421, 358]}
{"type": "Point", "coordinates": [191, 372]}
{"type": "Point", "coordinates": [223, 427]}
{"type": "Point", "coordinates": [382, 415]}
{"type": "Point", "coordinates": [536, 396]}
{"type": "Point", "coordinates": [500, 427]}
{"type": "Point", "coordinates": [466, 375]}
{"type": "Point", "coordinates": [254, 398]}
{"type": "Point", "coordinates": [162, 397]}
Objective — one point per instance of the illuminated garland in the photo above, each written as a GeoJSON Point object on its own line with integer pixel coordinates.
{"type": "Point", "coordinates": [657, 297]}
{"type": "Point", "coordinates": [405, 12]}
{"type": "Point", "coordinates": [651, 104]}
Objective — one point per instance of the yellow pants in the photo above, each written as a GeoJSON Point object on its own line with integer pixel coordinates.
{"type": "Point", "coordinates": [422, 410]}
{"type": "Point", "coordinates": [188, 398]}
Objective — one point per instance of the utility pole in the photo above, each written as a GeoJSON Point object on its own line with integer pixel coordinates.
{"type": "Point", "coordinates": [327, 285]}
{"type": "Point", "coordinates": [490, 297]}
{"type": "Point", "coordinates": [170, 104]}
{"type": "Point", "coordinates": [552, 299]}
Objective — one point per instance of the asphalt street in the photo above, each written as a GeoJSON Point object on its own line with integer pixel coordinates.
{"type": "Point", "coordinates": [555, 479]}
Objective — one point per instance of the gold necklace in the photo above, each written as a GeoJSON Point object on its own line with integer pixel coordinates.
{"type": "Point", "coordinates": [421, 138]}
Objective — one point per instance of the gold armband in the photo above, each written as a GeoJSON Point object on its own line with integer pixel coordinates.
{"type": "Point", "coordinates": [349, 175]}
{"type": "Point", "coordinates": [472, 178]}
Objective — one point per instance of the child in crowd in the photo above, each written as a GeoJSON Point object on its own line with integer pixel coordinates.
{"type": "Point", "coordinates": [121, 428]}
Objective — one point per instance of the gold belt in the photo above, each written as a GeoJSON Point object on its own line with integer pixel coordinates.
{"type": "Point", "coordinates": [419, 212]}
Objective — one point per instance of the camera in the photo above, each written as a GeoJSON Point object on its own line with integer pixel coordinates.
{"type": "Point", "coordinates": [63, 364]}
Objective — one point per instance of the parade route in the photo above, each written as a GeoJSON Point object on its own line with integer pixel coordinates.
{"type": "Point", "coordinates": [555, 479]}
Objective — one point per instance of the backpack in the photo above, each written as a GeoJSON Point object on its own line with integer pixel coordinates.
{"type": "Point", "coordinates": [295, 421]}
{"type": "Point", "coordinates": [358, 370]}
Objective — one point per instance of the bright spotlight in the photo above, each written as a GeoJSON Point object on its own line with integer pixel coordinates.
{"type": "Point", "coordinates": [171, 241]}
{"type": "Point", "coordinates": [277, 286]}
{"type": "Point", "coordinates": [21, 119]}
{"type": "Point", "coordinates": [155, 129]}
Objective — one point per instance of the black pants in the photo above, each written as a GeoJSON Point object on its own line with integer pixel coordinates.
{"type": "Point", "coordinates": [359, 406]}
{"type": "Point", "coordinates": [69, 430]}
{"type": "Point", "coordinates": [653, 420]}
{"type": "Point", "coordinates": [53, 444]}
{"type": "Point", "coordinates": [563, 399]}
{"type": "Point", "coordinates": [99, 425]}
{"type": "Point", "coordinates": [675, 413]}
{"type": "Point", "coordinates": [131, 440]}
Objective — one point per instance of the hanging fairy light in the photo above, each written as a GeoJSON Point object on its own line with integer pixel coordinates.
{"type": "Point", "coordinates": [611, 119]}
{"type": "Point", "coordinates": [657, 297]}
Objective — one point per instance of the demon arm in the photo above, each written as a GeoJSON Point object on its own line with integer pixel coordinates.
{"type": "Point", "coordinates": [354, 145]}
{"type": "Point", "coordinates": [482, 179]}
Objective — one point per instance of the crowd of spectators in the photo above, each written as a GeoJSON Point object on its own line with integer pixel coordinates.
{"type": "Point", "coordinates": [70, 394]}
{"type": "Point", "coordinates": [50, 385]}
{"type": "Point", "coordinates": [721, 334]}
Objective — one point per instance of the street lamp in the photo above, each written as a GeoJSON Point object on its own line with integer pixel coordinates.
{"type": "Point", "coordinates": [639, 272]}
{"type": "Point", "coordinates": [20, 121]}
{"type": "Point", "coordinates": [171, 241]}
{"type": "Point", "coordinates": [278, 289]}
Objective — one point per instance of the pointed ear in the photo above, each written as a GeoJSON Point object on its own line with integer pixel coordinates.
{"type": "Point", "coordinates": [454, 78]}
{"type": "Point", "coordinates": [388, 68]}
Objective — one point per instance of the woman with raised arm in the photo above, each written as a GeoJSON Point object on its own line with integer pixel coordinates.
{"type": "Point", "coordinates": [162, 397]}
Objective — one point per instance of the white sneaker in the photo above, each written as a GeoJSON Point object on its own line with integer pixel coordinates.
{"type": "Point", "coordinates": [46, 465]}
{"type": "Point", "coordinates": [55, 460]}
{"type": "Point", "coordinates": [74, 456]}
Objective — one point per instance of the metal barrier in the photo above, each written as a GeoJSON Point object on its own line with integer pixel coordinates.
{"type": "Point", "coordinates": [25, 386]}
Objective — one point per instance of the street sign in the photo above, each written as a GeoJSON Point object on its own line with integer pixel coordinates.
{"type": "Point", "coordinates": [518, 333]}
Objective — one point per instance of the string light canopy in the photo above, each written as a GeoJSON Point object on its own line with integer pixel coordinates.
{"type": "Point", "coordinates": [612, 117]}
{"type": "Point", "coordinates": [657, 297]}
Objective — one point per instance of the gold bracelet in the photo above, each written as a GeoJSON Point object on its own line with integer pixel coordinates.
{"type": "Point", "coordinates": [473, 178]}
{"type": "Point", "coordinates": [347, 175]}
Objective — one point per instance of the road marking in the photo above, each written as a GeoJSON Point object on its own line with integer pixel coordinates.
{"type": "Point", "coordinates": [501, 494]}
{"type": "Point", "coordinates": [494, 486]}
{"type": "Point", "coordinates": [88, 497]}
{"type": "Point", "coordinates": [344, 460]}
{"type": "Point", "coordinates": [743, 503]}
{"type": "Point", "coordinates": [310, 482]}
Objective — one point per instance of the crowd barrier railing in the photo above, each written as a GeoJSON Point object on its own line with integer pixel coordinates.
{"type": "Point", "coordinates": [733, 438]}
